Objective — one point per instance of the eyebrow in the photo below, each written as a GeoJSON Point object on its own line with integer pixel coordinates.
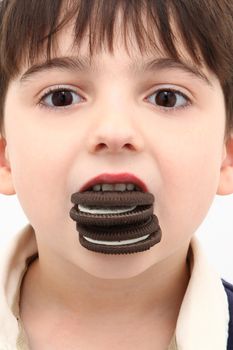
{"type": "Point", "coordinates": [84, 64]}
{"type": "Point", "coordinates": [62, 63]}
{"type": "Point", "coordinates": [170, 63]}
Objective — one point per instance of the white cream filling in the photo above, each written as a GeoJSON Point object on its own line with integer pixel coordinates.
{"type": "Point", "coordinates": [125, 242]}
{"type": "Point", "coordinates": [105, 210]}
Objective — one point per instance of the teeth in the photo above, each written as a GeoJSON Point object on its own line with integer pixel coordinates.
{"type": "Point", "coordinates": [97, 188]}
{"type": "Point", "coordinates": [125, 242]}
{"type": "Point", "coordinates": [114, 187]}
{"type": "Point", "coordinates": [120, 187]}
{"type": "Point", "coordinates": [107, 187]}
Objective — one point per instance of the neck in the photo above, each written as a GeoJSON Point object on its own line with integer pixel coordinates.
{"type": "Point", "coordinates": [160, 288]}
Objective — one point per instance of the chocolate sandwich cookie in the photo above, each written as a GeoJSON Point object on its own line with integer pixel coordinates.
{"type": "Point", "coordinates": [113, 222]}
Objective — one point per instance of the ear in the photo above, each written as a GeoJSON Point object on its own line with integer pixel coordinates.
{"type": "Point", "coordinates": [225, 185]}
{"type": "Point", "coordinates": [6, 183]}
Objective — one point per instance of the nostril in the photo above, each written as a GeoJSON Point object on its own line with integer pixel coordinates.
{"type": "Point", "coordinates": [100, 146]}
{"type": "Point", "coordinates": [130, 146]}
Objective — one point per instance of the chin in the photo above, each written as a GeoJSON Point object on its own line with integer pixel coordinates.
{"type": "Point", "coordinates": [107, 266]}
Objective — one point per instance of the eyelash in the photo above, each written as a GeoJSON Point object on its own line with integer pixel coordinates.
{"type": "Point", "coordinates": [50, 91]}
{"type": "Point", "coordinates": [53, 90]}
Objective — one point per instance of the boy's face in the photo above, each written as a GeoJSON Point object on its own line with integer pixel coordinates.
{"type": "Point", "coordinates": [165, 124]}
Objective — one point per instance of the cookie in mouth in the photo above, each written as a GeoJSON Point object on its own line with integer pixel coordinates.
{"type": "Point", "coordinates": [114, 221]}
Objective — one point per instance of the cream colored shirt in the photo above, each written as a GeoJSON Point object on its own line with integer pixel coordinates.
{"type": "Point", "coordinates": [203, 319]}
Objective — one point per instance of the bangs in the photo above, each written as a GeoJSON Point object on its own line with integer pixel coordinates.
{"type": "Point", "coordinates": [30, 30]}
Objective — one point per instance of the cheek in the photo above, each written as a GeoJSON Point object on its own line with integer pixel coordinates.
{"type": "Point", "coordinates": [40, 167]}
{"type": "Point", "coordinates": [189, 169]}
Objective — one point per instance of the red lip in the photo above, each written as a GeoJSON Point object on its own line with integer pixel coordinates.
{"type": "Point", "coordinates": [115, 178]}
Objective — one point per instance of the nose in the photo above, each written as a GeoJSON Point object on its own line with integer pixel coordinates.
{"type": "Point", "coordinates": [114, 134]}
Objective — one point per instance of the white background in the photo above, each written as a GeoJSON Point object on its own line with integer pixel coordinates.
{"type": "Point", "coordinates": [215, 233]}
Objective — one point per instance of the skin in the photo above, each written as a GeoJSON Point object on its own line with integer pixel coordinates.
{"type": "Point", "coordinates": [47, 154]}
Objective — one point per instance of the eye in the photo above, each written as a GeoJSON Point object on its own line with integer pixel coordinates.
{"type": "Point", "coordinates": [169, 99]}
{"type": "Point", "coordinates": [60, 97]}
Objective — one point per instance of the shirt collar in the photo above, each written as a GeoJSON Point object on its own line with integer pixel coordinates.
{"type": "Point", "coordinates": [13, 264]}
{"type": "Point", "coordinates": [203, 318]}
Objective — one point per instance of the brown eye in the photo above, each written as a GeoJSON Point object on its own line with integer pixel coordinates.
{"type": "Point", "coordinates": [168, 99]}
{"type": "Point", "coordinates": [60, 98]}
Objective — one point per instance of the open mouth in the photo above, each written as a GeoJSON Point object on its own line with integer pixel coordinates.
{"type": "Point", "coordinates": [114, 220]}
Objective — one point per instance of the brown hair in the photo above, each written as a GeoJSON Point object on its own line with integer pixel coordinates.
{"type": "Point", "coordinates": [28, 29]}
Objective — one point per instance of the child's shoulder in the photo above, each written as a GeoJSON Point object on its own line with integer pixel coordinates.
{"type": "Point", "coordinates": [229, 291]}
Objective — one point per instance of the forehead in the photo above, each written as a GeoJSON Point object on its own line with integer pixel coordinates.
{"type": "Point", "coordinates": [143, 27]}
{"type": "Point", "coordinates": [66, 54]}
{"type": "Point", "coordinates": [147, 31]}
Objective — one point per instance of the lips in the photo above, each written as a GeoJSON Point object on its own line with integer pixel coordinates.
{"type": "Point", "coordinates": [114, 178]}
